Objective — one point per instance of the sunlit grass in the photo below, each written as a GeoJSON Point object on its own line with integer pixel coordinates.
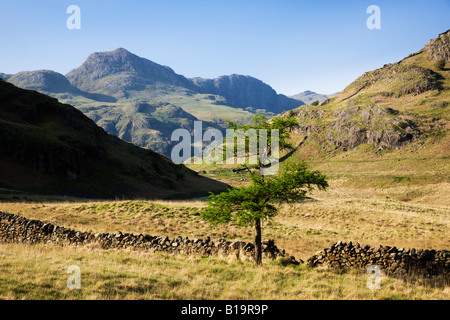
{"type": "Point", "coordinates": [347, 212]}
{"type": "Point", "coordinates": [341, 213]}
{"type": "Point", "coordinates": [39, 272]}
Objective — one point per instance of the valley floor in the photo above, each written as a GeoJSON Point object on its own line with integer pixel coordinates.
{"type": "Point", "coordinates": [367, 216]}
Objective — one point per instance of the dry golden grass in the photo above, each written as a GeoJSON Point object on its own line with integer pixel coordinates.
{"type": "Point", "coordinates": [39, 272]}
{"type": "Point", "coordinates": [363, 217]}
{"type": "Point", "coordinates": [400, 214]}
{"type": "Point", "coordinates": [341, 213]}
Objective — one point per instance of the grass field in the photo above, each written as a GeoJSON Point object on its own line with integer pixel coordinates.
{"type": "Point", "coordinates": [344, 213]}
{"type": "Point", "coordinates": [39, 272]}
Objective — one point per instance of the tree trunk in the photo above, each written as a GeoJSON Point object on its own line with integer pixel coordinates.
{"type": "Point", "coordinates": [258, 245]}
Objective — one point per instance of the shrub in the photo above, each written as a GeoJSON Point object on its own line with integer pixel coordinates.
{"type": "Point", "coordinates": [440, 64]}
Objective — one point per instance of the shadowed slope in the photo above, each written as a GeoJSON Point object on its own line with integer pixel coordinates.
{"type": "Point", "coordinates": [52, 148]}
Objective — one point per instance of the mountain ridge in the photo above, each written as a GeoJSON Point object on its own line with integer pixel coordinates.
{"type": "Point", "coordinates": [122, 69]}
{"type": "Point", "coordinates": [235, 89]}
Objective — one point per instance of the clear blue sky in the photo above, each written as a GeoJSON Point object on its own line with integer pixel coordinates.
{"type": "Point", "coordinates": [291, 45]}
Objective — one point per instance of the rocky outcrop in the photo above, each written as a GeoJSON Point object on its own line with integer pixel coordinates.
{"type": "Point", "coordinates": [377, 126]}
{"type": "Point", "coordinates": [16, 229]}
{"type": "Point", "coordinates": [400, 79]}
{"type": "Point", "coordinates": [439, 48]}
{"type": "Point", "coordinates": [396, 261]}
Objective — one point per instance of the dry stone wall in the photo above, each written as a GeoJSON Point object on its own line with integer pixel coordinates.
{"type": "Point", "coordinates": [17, 229]}
{"type": "Point", "coordinates": [399, 261]}
{"type": "Point", "coordinates": [392, 260]}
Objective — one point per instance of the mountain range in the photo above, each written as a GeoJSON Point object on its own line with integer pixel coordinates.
{"type": "Point", "coordinates": [108, 85]}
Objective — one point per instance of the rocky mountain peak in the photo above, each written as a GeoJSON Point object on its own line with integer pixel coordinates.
{"type": "Point", "coordinates": [102, 64]}
{"type": "Point", "coordinates": [439, 48]}
{"type": "Point", "coordinates": [115, 72]}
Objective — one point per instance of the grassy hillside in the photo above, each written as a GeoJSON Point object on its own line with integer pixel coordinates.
{"type": "Point", "coordinates": [390, 126]}
{"type": "Point", "coordinates": [52, 148]}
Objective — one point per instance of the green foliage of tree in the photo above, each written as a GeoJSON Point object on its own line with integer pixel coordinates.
{"type": "Point", "coordinates": [251, 205]}
{"type": "Point", "coordinates": [258, 202]}
{"type": "Point", "coordinates": [315, 103]}
{"type": "Point", "coordinates": [260, 122]}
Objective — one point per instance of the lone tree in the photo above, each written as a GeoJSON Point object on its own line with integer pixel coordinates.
{"type": "Point", "coordinates": [253, 204]}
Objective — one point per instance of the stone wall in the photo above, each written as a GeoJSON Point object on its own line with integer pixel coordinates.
{"type": "Point", "coordinates": [16, 229]}
{"type": "Point", "coordinates": [396, 261]}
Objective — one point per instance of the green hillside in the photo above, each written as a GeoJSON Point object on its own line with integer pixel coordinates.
{"type": "Point", "coordinates": [49, 148]}
{"type": "Point", "coordinates": [389, 128]}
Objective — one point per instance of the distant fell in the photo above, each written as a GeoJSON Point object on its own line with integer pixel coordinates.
{"type": "Point", "coordinates": [42, 80]}
{"type": "Point", "coordinates": [5, 76]}
{"type": "Point", "coordinates": [148, 124]}
{"type": "Point", "coordinates": [246, 92]}
{"type": "Point", "coordinates": [108, 83]}
{"type": "Point", "coordinates": [309, 97]}
{"type": "Point", "coordinates": [116, 72]}
{"type": "Point", "coordinates": [122, 74]}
